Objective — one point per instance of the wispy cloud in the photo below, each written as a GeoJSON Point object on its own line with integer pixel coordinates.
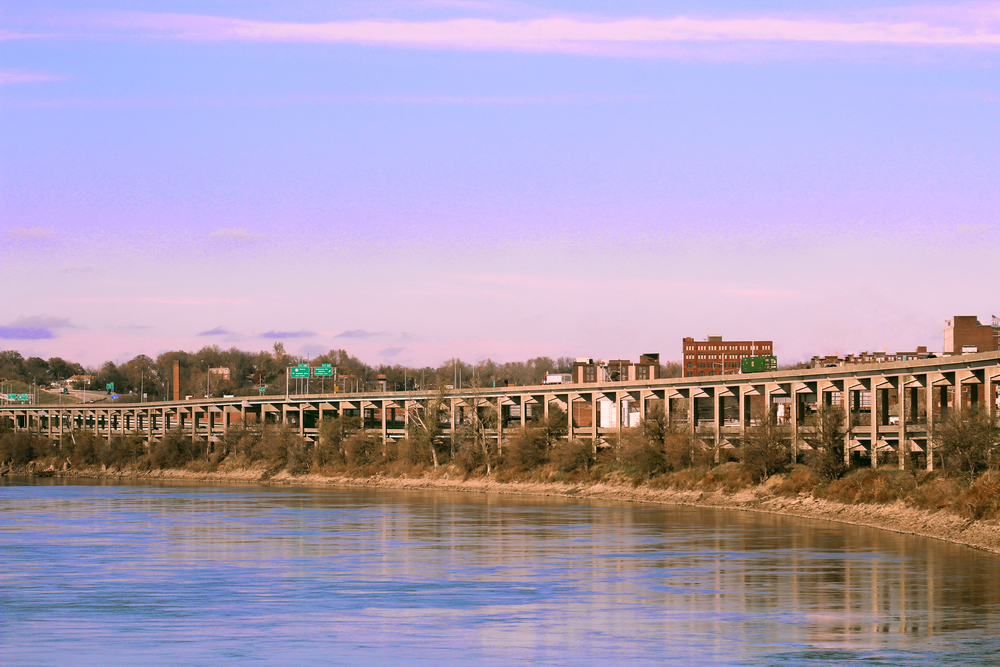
{"type": "Point", "coordinates": [217, 331]}
{"type": "Point", "coordinates": [236, 234]}
{"type": "Point", "coordinates": [25, 333]}
{"type": "Point", "coordinates": [391, 351]}
{"type": "Point", "coordinates": [34, 327]}
{"type": "Point", "coordinates": [44, 321]}
{"type": "Point", "coordinates": [358, 334]}
{"type": "Point", "coordinates": [240, 234]}
{"type": "Point", "coordinates": [567, 34]}
{"type": "Point", "coordinates": [158, 300]}
{"type": "Point", "coordinates": [287, 334]}
{"type": "Point", "coordinates": [17, 76]}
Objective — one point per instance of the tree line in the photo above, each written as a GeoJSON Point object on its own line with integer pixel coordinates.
{"type": "Point", "coordinates": [250, 370]}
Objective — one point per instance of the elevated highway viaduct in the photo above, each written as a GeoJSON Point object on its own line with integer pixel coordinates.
{"type": "Point", "coordinates": [892, 408]}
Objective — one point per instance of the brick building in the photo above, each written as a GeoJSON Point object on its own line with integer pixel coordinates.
{"type": "Point", "coordinates": [964, 334]}
{"type": "Point", "coordinates": [870, 358]}
{"type": "Point", "coordinates": [586, 370]}
{"type": "Point", "coordinates": [715, 356]}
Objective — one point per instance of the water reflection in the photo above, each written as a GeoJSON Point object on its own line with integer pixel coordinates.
{"type": "Point", "coordinates": [183, 574]}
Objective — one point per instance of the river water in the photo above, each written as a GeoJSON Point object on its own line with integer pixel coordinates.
{"type": "Point", "coordinates": [98, 573]}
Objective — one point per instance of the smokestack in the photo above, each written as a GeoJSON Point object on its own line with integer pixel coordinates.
{"type": "Point", "coordinates": [177, 380]}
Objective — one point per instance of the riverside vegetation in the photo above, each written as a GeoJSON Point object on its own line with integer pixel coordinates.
{"type": "Point", "coordinates": [655, 455]}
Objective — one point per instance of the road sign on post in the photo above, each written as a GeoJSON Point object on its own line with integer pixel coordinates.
{"type": "Point", "coordinates": [262, 388]}
{"type": "Point", "coordinates": [324, 371]}
{"type": "Point", "coordinates": [299, 372]}
{"type": "Point", "coordinates": [110, 386]}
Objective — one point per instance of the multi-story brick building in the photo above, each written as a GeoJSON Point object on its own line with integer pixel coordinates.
{"type": "Point", "coordinates": [715, 356]}
{"type": "Point", "coordinates": [964, 333]}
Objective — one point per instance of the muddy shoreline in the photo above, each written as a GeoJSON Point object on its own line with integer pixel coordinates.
{"type": "Point", "coordinates": [896, 517]}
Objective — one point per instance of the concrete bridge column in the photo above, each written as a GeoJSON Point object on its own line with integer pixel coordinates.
{"type": "Point", "coordinates": [210, 423]}
{"type": "Point", "coordinates": [570, 432]}
{"type": "Point", "coordinates": [876, 420]}
{"type": "Point", "coordinates": [692, 412]}
{"type": "Point", "coordinates": [845, 404]}
{"type": "Point", "coordinates": [901, 400]}
{"type": "Point", "coordinates": [794, 419]}
{"type": "Point", "coordinates": [743, 414]}
{"type": "Point", "coordinates": [594, 415]}
{"type": "Point", "coordinates": [453, 403]}
{"type": "Point", "coordinates": [990, 395]}
{"type": "Point", "coordinates": [500, 424]}
{"type": "Point", "coordinates": [717, 411]}
{"type": "Point", "coordinates": [385, 427]}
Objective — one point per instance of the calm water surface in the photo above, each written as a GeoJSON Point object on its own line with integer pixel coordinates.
{"type": "Point", "coordinates": [108, 573]}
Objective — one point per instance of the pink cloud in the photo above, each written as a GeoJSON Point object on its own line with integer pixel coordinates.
{"type": "Point", "coordinates": [962, 27]}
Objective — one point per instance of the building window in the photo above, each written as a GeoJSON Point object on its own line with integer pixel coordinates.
{"type": "Point", "coordinates": [690, 365]}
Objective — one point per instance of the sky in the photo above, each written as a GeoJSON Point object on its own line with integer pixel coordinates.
{"type": "Point", "coordinates": [417, 180]}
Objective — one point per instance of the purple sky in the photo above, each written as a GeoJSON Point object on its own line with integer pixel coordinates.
{"type": "Point", "coordinates": [417, 180]}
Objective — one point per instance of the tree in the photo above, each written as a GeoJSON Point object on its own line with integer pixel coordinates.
{"type": "Point", "coordinates": [555, 426]}
{"type": "Point", "coordinates": [526, 449]}
{"type": "Point", "coordinates": [62, 369]}
{"type": "Point", "coordinates": [671, 369]}
{"type": "Point", "coordinates": [968, 440]}
{"type": "Point", "coordinates": [475, 445]}
{"type": "Point", "coordinates": [765, 448]}
{"type": "Point", "coordinates": [827, 441]}
{"type": "Point", "coordinates": [425, 423]}
{"type": "Point", "coordinates": [333, 431]}
{"type": "Point", "coordinates": [11, 365]}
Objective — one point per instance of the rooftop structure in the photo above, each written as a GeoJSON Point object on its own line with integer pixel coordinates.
{"type": "Point", "coordinates": [586, 370]}
{"type": "Point", "coordinates": [870, 358]}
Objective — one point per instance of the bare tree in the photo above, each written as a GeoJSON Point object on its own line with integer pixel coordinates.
{"type": "Point", "coordinates": [425, 420]}
{"type": "Point", "coordinates": [474, 431]}
{"type": "Point", "coordinates": [969, 440]}
{"type": "Point", "coordinates": [765, 448]}
{"type": "Point", "coordinates": [827, 441]}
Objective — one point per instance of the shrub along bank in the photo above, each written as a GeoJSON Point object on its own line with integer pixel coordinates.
{"type": "Point", "coordinates": [656, 455]}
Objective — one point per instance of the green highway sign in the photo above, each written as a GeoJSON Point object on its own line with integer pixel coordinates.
{"type": "Point", "coordinates": [299, 372]}
{"type": "Point", "coordinates": [326, 370]}
{"type": "Point", "coordinates": [262, 388]}
{"type": "Point", "coordinates": [23, 397]}
{"type": "Point", "coordinates": [110, 386]}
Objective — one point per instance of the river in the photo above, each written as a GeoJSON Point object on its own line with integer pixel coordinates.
{"type": "Point", "coordinates": [98, 573]}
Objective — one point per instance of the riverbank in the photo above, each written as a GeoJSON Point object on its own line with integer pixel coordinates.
{"type": "Point", "coordinates": [896, 517]}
